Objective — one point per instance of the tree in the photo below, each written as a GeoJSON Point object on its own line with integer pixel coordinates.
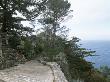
{"type": "Point", "coordinates": [10, 20]}
{"type": "Point", "coordinates": [95, 76]}
{"type": "Point", "coordinates": [79, 68]}
{"type": "Point", "coordinates": [73, 54]}
{"type": "Point", "coordinates": [9, 8]}
{"type": "Point", "coordinates": [12, 31]}
{"type": "Point", "coordinates": [56, 11]}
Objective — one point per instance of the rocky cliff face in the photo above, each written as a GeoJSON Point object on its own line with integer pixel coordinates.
{"type": "Point", "coordinates": [33, 71]}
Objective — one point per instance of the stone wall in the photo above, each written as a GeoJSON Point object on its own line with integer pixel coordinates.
{"type": "Point", "coordinates": [57, 73]}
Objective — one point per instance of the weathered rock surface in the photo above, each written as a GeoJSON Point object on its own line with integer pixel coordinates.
{"type": "Point", "coordinates": [33, 71]}
{"type": "Point", "coordinates": [57, 73]}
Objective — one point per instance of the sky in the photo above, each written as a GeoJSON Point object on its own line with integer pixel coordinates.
{"type": "Point", "coordinates": [91, 19]}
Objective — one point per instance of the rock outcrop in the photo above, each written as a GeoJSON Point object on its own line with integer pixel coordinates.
{"type": "Point", "coordinates": [33, 71]}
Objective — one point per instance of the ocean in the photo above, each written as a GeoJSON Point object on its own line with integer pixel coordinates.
{"type": "Point", "coordinates": [102, 49]}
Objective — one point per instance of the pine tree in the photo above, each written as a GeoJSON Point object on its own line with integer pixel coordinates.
{"type": "Point", "coordinates": [56, 11]}
{"type": "Point", "coordinates": [8, 14]}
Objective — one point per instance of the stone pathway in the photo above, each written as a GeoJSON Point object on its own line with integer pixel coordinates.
{"type": "Point", "coordinates": [31, 71]}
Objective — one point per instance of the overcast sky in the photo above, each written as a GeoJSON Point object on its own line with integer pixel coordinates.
{"type": "Point", "coordinates": [91, 19]}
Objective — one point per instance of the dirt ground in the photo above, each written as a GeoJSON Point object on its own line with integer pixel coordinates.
{"type": "Point", "coordinates": [31, 71]}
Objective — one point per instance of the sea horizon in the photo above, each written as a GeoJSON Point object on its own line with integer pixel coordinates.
{"type": "Point", "coordinates": [102, 48]}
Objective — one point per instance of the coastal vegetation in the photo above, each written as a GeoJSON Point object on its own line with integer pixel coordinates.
{"type": "Point", "coordinates": [50, 43]}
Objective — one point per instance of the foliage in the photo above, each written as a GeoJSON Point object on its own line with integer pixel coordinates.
{"type": "Point", "coordinates": [96, 77]}
{"type": "Point", "coordinates": [79, 67]}
{"type": "Point", "coordinates": [49, 43]}
{"type": "Point", "coordinates": [10, 22]}
{"type": "Point", "coordinates": [105, 71]}
{"type": "Point", "coordinates": [29, 47]}
{"type": "Point", "coordinates": [74, 55]}
{"type": "Point", "coordinates": [9, 15]}
{"type": "Point", "coordinates": [45, 48]}
{"type": "Point", "coordinates": [56, 10]}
